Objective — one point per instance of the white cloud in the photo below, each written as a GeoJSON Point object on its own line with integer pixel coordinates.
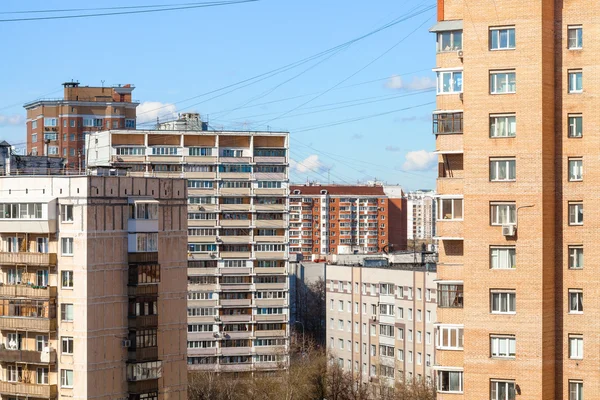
{"type": "Point", "coordinates": [148, 111]}
{"type": "Point", "coordinates": [14, 119]}
{"type": "Point", "coordinates": [416, 83]}
{"type": "Point", "coordinates": [311, 163]}
{"type": "Point", "coordinates": [419, 160]}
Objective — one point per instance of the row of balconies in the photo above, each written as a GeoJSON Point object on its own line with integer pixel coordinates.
{"type": "Point", "coordinates": [250, 335]}
{"type": "Point", "coordinates": [256, 366]}
{"type": "Point", "coordinates": [197, 159]}
{"type": "Point", "coordinates": [241, 287]}
{"type": "Point", "coordinates": [237, 207]}
{"type": "Point", "coordinates": [237, 271]}
{"type": "Point", "coordinates": [25, 258]}
{"type": "Point", "coordinates": [234, 351]}
{"type": "Point", "coordinates": [249, 239]}
{"type": "Point", "coordinates": [27, 390]}
{"type": "Point", "coordinates": [237, 223]}
{"type": "Point", "coordinates": [257, 255]}
{"type": "Point", "coordinates": [270, 192]}
{"type": "Point", "coordinates": [240, 318]}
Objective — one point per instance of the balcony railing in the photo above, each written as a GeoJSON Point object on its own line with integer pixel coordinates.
{"type": "Point", "coordinates": [143, 321]}
{"type": "Point", "coordinates": [28, 389]}
{"type": "Point", "coordinates": [143, 354]}
{"type": "Point", "coordinates": [33, 259]}
{"type": "Point", "coordinates": [27, 291]}
{"type": "Point", "coordinates": [27, 356]}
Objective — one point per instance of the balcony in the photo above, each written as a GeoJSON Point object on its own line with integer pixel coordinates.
{"type": "Point", "coordinates": [235, 175]}
{"type": "Point", "coordinates": [143, 354]}
{"type": "Point", "coordinates": [269, 239]}
{"type": "Point", "coordinates": [28, 390]}
{"type": "Point", "coordinates": [140, 387]}
{"type": "Point", "coordinates": [270, 176]}
{"type": "Point", "coordinates": [235, 160]}
{"type": "Point", "coordinates": [143, 321]}
{"type": "Point", "coordinates": [201, 159]}
{"type": "Point", "coordinates": [448, 144]}
{"type": "Point", "coordinates": [235, 191]}
{"type": "Point", "coordinates": [201, 175]}
{"type": "Point", "coordinates": [202, 223]}
{"type": "Point", "coordinates": [211, 351]}
{"type": "Point", "coordinates": [242, 287]}
{"type": "Point", "coordinates": [235, 254]}
{"type": "Point", "coordinates": [269, 207]}
{"type": "Point", "coordinates": [236, 335]}
{"type": "Point", "coordinates": [27, 356]}
{"type": "Point", "coordinates": [28, 324]}
{"type": "Point", "coordinates": [270, 302]}
{"type": "Point", "coordinates": [447, 123]}
{"type": "Point", "coordinates": [235, 271]}
{"type": "Point", "coordinates": [236, 302]}
{"type": "Point", "coordinates": [269, 271]}
{"type": "Point", "coordinates": [270, 255]}
{"type": "Point", "coordinates": [235, 367]}
{"type": "Point", "coordinates": [270, 223]}
{"type": "Point", "coordinates": [449, 229]}
{"type": "Point", "coordinates": [134, 258]}
{"type": "Point", "coordinates": [143, 290]}
{"type": "Point", "coordinates": [271, 286]}
{"type": "Point", "coordinates": [270, 318]}
{"type": "Point", "coordinates": [271, 192]}
{"type": "Point", "coordinates": [235, 223]}
{"type": "Point", "coordinates": [234, 207]}
{"type": "Point", "coordinates": [32, 259]}
{"type": "Point", "coordinates": [269, 160]}
{"type": "Point", "coordinates": [262, 334]}
{"type": "Point", "coordinates": [236, 239]}
{"type": "Point", "coordinates": [27, 291]}
{"type": "Point", "coordinates": [236, 318]}
{"type": "Point", "coordinates": [236, 351]}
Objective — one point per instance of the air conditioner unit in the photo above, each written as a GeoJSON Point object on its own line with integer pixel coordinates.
{"type": "Point", "coordinates": [509, 230]}
{"type": "Point", "coordinates": [126, 343]}
{"type": "Point", "coordinates": [460, 53]}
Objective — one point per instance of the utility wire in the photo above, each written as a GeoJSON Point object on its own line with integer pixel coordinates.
{"type": "Point", "coordinates": [106, 14]}
{"type": "Point", "coordinates": [96, 8]}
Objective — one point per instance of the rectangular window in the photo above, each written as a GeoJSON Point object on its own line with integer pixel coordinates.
{"type": "Point", "coordinates": [34, 124]}
{"type": "Point", "coordinates": [42, 376]}
{"type": "Point", "coordinates": [50, 122]}
{"type": "Point", "coordinates": [503, 82]}
{"type": "Point", "coordinates": [575, 81]}
{"type": "Point", "coordinates": [503, 169]}
{"type": "Point", "coordinates": [72, 123]}
{"type": "Point", "coordinates": [503, 213]}
{"type": "Point", "coordinates": [66, 378]}
{"type": "Point", "coordinates": [502, 126]}
{"type": "Point", "coordinates": [67, 246]}
{"type": "Point", "coordinates": [52, 150]}
{"type": "Point", "coordinates": [503, 346]}
{"type": "Point", "coordinates": [575, 125]}
{"type": "Point", "coordinates": [66, 213]}
{"type": "Point", "coordinates": [503, 257]}
{"type": "Point", "coordinates": [130, 123]}
{"type": "Point", "coordinates": [450, 209]}
{"type": "Point", "coordinates": [449, 82]}
{"type": "Point", "coordinates": [66, 312]}
{"type": "Point", "coordinates": [34, 138]}
{"type": "Point", "coordinates": [575, 37]}
{"type": "Point", "coordinates": [450, 381]}
{"type": "Point", "coordinates": [67, 345]}
{"type": "Point", "coordinates": [503, 302]}
{"type": "Point", "coordinates": [576, 347]}
{"type": "Point", "coordinates": [502, 38]}
{"type": "Point", "coordinates": [450, 337]}
{"type": "Point", "coordinates": [450, 295]}
{"type": "Point", "coordinates": [575, 257]}
{"type": "Point", "coordinates": [449, 41]}
{"type": "Point", "coordinates": [575, 301]}
{"type": "Point", "coordinates": [447, 123]}
{"type": "Point", "coordinates": [575, 213]}
{"type": "Point", "coordinates": [575, 390]}
{"type": "Point", "coordinates": [575, 169]}
{"type": "Point", "coordinates": [67, 279]}
{"type": "Point", "coordinates": [503, 390]}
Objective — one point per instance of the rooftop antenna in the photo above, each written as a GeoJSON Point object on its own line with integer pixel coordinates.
{"type": "Point", "coordinates": [102, 83]}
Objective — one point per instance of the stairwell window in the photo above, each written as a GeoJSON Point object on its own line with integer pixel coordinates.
{"type": "Point", "coordinates": [575, 301]}
{"type": "Point", "coordinates": [449, 82]}
{"type": "Point", "coordinates": [503, 390]}
{"type": "Point", "coordinates": [575, 37]}
{"type": "Point", "coordinates": [576, 347]}
{"type": "Point", "coordinates": [66, 312]}
{"type": "Point", "coordinates": [575, 257]}
{"type": "Point", "coordinates": [576, 213]}
{"type": "Point", "coordinates": [576, 81]}
{"type": "Point", "coordinates": [67, 246]}
{"type": "Point", "coordinates": [502, 38]}
{"type": "Point", "coordinates": [575, 125]}
{"type": "Point", "coordinates": [503, 82]}
{"type": "Point", "coordinates": [503, 257]}
{"type": "Point", "coordinates": [503, 169]}
{"type": "Point", "coordinates": [503, 126]}
{"type": "Point", "coordinates": [575, 390]}
{"type": "Point", "coordinates": [575, 169]}
{"type": "Point", "coordinates": [503, 213]}
{"type": "Point", "coordinates": [66, 378]}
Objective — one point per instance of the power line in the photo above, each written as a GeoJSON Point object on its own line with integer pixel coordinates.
{"type": "Point", "coordinates": [94, 9]}
{"type": "Point", "coordinates": [106, 14]}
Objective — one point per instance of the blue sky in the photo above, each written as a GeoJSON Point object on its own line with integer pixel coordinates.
{"type": "Point", "coordinates": [173, 56]}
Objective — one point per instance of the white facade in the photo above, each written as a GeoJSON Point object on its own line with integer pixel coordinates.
{"type": "Point", "coordinates": [421, 213]}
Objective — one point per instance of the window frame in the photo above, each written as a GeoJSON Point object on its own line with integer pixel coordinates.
{"type": "Point", "coordinates": [69, 275]}
{"type": "Point", "coordinates": [573, 126]}
{"type": "Point", "coordinates": [576, 294]}
{"type": "Point", "coordinates": [496, 30]}
{"type": "Point", "coordinates": [495, 265]}
{"type": "Point", "coordinates": [576, 352]}
{"type": "Point", "coordinates": [66, 243]}
{"type": "Point", "coordinates": [68, 343]}
{"type": "Point", "coordinates": [576, 257]}
{"type": "Point", "coordinates": [452, 34]}
{"type": "Point", "coordinates": [496, 81]}
{"type": "Point", "coordinates": [444, 334]}
{"type": "Point", "coordinates": [494, 118]}
{"type": "Point", "coordinates": [510, 394]}
{"type": "Point", "coordinates": [578, 39]}
{"type": "Point", "coordinates": [440, 381]}
{"type": "Point", "coordinates": [577, 214]}
{"type": "Point", "coordinates": [64, 378]}
{"type": "Point", "coordinates": [453, 201]}
{"type": "Point", "coordinates": [494, 168]}
{"type": "Point", "coordinates": [572, 76]}
{"type": "Point", "coordinates": [577, 393]}
{"type": "Point", "coordinates": [510, 351]}
{"type": "Point", "coordinates": [508, 302]}
{"type": "Point", "coordinates": [496, 205]}
{"type": "Point", "coordinates": [572, 165]}
{"type": "Point", "coordinates": [453, 79]}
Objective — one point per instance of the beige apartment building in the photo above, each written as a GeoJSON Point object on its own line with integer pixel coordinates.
{"type": "Point", "coordinates": [92, 293]}
{"type": "Point", "coordinates": [381, 318]}
{"type": "Point", "coordinates": [238, 290]}
{"type": "Point", "coordinates": [512, 190]}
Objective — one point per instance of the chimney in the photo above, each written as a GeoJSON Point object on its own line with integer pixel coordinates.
{"type": "Point", "coordinates": [440, 10]}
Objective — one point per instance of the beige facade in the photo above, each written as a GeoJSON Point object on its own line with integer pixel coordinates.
{"type": "Point", "coordinates": [92, 301]}
{"type": "Point", "coordinates": [512, 145]}
{"type": "Point", "coordinates": [238, 290]}
{"type": "Point", "coordinates": [380, 321]}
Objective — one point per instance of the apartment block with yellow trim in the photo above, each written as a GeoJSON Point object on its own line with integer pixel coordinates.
{"type": "Point", "coordinates": [515, 82]}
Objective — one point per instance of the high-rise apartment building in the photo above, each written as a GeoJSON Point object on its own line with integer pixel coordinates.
{"type": "Point", "coordinates": [420, 216]}
{"type": "Point", "coordinates": [380, 318]}
{"type": "Point", "coordinates": [344, 219]}
{"type": "Point", "coordinates": [92, 300]}
{"type": "Point", "coordinates": [238, 305]}
{"type": "Point", "coordinates": [512, 191]}
{"type": "Point", "coordinates": [57, 127]}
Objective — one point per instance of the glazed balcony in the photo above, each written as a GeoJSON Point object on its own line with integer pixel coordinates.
{"type": "Point", "coordinates": [27, 356]}
{"type": "Point", "coordinates": [48, 292]}
{"type": "Point", "coordinates": [31, 259]}
{"type": "Point", "coordinates": [143, 321]}
{"type": "Point", "coordinates": [143, 354]}
{"type": "Point", "coordinates": [28, 390]}
{"type": "Point", "coordinates": [270, 223]}
{"type": "Point", "coordinates": [236, 302]}
{"type": "Point", "coordinates": [271, 317]}
{"type": "Point", "coordinates": [269, 207]}
{"type": "Point", "coordinates": [277, 333]}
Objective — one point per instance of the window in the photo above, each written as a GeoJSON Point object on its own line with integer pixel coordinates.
{"type": "Point", "coordinates": [502, 38]}
{"type": "Point", "coordinates": [575, 257]}
{"type": "Point", "coordinates": [449, 41]}
{"type": "Point", "coordinates": [66, 212]}
{"type": "Point", "coordinates": [450, 337]}
{"type": "Point", "coordinates": [575, 37]}
{"type": "Point", "coordinates": [41, 342]}
{"type": "Point", "coordinates": [400, 355]}
{"type": "Point", "coordinates": [447, 122]}
{"type": "Point", "coordinates": [50, 122]}
{"type": "Point", "coordinates": [34, 138]}
{"type": "Point", "coordinates": [66, 312]}
{"type": "Point", "coordinates": [400, 333]}
{"type": "Point", "coordinates": [575, 81]}
{"type": "Point", "coordinates": [146, 242]}
{"type": "Point", "coordinates": [67, 345]}
{"type": "Point", "coordinates": [450, 295]}
{"type": "Point", "coordinates": [34, 124]}
{"type": "Point", "coordinates": [576, 347]}
{"type": "Point", "coordinates": [503, 213]}
{"type": "Point", "coordinates": [503, 126]}
{"type": "Point", "coordinates": [449, 82]}
{"type": "Point", "coordinates": [503, 258]}
{"type": "Point", "coordinates": [14, 373]}
{"type": "Point", "coordinates": [386, 330]}
{"type": "Point", "coordinates": [72, 123]}
{"type": "Point", "coordinates": [386, 288]}
{"type": "Point", "coordinates": [130, 123]}
{"type": "Point", "coordinates": [575, 125]}
{"type": "Point", "coordinates": [575, 301]}
{"type": "Point", "coordinates": [67, 246]}
{"type": "Point", "coordinates": [67, 279]}
{"type": "Point", "coordinates": [450, 209]}
{"type": "Point", "coordinates": [503, 346]}
{"type": "Point", "coordinates": [164, 151]}
{"type": "Point", "coordinates": [575, 169]}
{"type": "Point", "coordinates": [66, 378]}
{"type": "Point", "coordinates": [502, 82]}
{"type": "Point", "coordinates": [575, 390]}
{"type": "Point", "coordinates": [52, 150]}
{"type": "Point", "coordinates": [42, 376]}
{"type": "Point", "coordinates": [503, 390]}
{"type": "Point", "coordinates": [503, 302]}
{"type": "Point", "coordinates": [450, 381]}
{"type": "Point", "coordinates": [503, 170]}
{"type": "Point", "coordinates": [575, 213]}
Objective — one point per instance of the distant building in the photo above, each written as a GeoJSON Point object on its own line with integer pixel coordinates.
{"type": "Point", "coordinates": [381, 315]}
{"type": "Point", "coordinates": [421, 216]}
{"type": "Point", "coordinates": [185, 122]}
{"type": "Point", "coordinates": [57, 127]}
{"type": "Point", "coordinates": [346, 219]}
{"type": "Point", "coordinates": [14, 164]}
